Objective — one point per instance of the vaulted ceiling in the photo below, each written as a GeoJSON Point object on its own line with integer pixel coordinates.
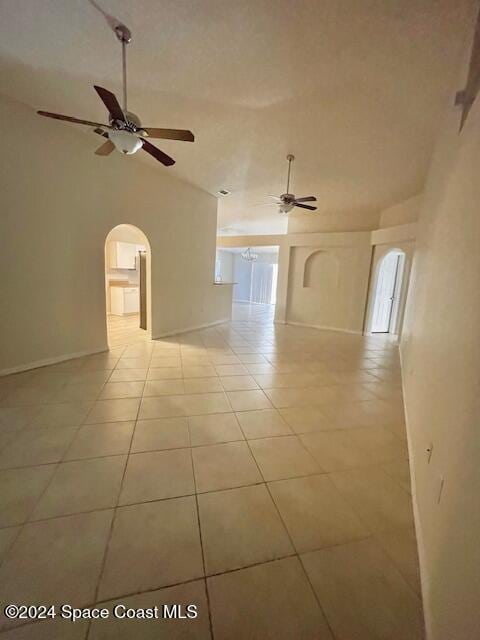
{"type": "Point", "coordinates": [354, 89]}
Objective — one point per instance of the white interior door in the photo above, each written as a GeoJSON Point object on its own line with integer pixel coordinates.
{"type": "Point", "coordinates": [385, 293]}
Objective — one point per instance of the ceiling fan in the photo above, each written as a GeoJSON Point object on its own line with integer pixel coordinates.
{"type": "Point", "coordinates": [124, 130]}
{"type": "Point", "coordinates": [287, 200]}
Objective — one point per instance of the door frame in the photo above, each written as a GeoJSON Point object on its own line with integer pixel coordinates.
{"type": "Point", "coordinates": [142, 239]}
{"type": "Point", "coordinates": [142, 266]}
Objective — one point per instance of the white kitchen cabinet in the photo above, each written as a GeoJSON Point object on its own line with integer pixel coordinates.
{"type": "Point", "coordinates": [123, 255]}
{"type": "Point", "coordinates": [124, 300]}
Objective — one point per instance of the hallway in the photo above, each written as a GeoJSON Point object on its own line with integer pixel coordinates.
{"type": "Point", "coordinates": [125, 330]}
{"type": "Point", "coordinates": [258, 471]}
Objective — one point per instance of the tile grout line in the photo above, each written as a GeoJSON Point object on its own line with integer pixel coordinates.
{"type": "Point", "coordinates": [28, 519]}
{"type": "Point", "coordinates": [112, 523]}
{"type": "Point", "coordinates": [131, 594]}
{"type": "Point", "coordinates": [62, 458]}
{"type": "Point", "coordinates": [320, 471]}
{"type": "Point", "coordinates": [207, 594]}
{"type": "Point", "coordinates": [297, 555]}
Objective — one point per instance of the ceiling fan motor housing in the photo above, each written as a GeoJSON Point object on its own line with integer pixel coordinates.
{"type": "Point", "coordinates": [132, 118]}
{"type": "Point", "coordinates": [131, 123]}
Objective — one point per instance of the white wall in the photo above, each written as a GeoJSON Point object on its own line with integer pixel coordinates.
{"type": "Point", "coordinates": [404, 212]}
{"type": "Point", "coordinates": [328, 281]}
{"type": "Point", "coordinates": [299, 222]}
{"type": "Point", "coordinates": [441, 370]}
{"type": "Point", "coordinates": [58, 201]}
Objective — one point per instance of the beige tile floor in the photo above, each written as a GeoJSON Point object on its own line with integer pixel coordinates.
{"type": "Point", "coordinates": [125, 330]}
{"type": "Point", "coordinates": [258, 471]}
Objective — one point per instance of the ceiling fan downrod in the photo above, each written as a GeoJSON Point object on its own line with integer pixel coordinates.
{"type": "Point", "coordinates": [290, 159]}
{"type": "Point", "coordinates": [124, 35]}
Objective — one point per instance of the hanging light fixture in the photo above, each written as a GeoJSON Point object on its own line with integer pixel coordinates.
{"type": "Point", "coordinates": [249, 255]}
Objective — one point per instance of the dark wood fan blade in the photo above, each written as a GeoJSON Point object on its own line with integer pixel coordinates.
{"type": "Point", "coordinates": [306, 199]}
{"type": "Point", "coordinates": [111, 102]}
{"type": "Point", "coordinates": [58, 116]}
{"type": "Point", "coordinates": [105, 149]}
{"type": "Point", "coordinates": [157, 154]}
{"type": "Point", "coordinates": [304, 206]}
{"type": "Point", "coordinates": [169, 134]}
{"type": "Point", "coordinates": [467, 97]}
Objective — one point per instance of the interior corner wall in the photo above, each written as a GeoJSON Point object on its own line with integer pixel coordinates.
{"type": "Point", "coordinates": [440, 351]}
{"type": "Point", "coordinates": [405, 212]}
{"type": "Point", "coordinates": [328, 282]}
{"type": "Point", "coordinates": [58, 201]}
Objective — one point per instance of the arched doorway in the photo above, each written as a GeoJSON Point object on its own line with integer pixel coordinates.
{"type": "Point", "coordinates": [385, 315]}
{"type": "Point", "coordinates": [127, 285]}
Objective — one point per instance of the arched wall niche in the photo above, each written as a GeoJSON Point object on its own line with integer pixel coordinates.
{"type": "Point", "coordinates": [320, 269]}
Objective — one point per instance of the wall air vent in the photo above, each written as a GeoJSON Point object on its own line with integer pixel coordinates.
{"type": "Point", "coordinates": [223, 192]}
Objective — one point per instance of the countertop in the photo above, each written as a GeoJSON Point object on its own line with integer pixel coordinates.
{"type": "Point", "coordinates": [221, 283]}
{"type": "Point", "coordinates": [122, 283]}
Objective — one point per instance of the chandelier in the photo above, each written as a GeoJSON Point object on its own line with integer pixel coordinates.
{"type": "Point", "coordinates": [249, 255]}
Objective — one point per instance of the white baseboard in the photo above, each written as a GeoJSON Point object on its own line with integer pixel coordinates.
{"type": "Point", "coordinates": [322, 327]}
{"type": "Point", "coordinates": [168, 334]}
{"type": "Point", "coordinates": [89, 352]}
{"type": "Point", "coordinates": [47, 361]}
{"type": "Point", "coordinates": [416, 512]}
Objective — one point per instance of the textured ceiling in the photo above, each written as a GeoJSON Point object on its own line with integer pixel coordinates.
{"type": "Point", "coordinates": [354, 89]}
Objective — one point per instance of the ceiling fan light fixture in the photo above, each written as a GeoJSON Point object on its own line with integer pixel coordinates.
{"type": "Point", "coordinates": [286, 207]}
{"type": "Point", "coordinates": [125, 141]}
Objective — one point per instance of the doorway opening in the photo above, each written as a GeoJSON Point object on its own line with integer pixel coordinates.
{"type": "Point", "coordinates": [387, 297]}
{"type": "Point", "coordinates": [254, 270]}
{"type": "Point", "coordinates": [127, 285]}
